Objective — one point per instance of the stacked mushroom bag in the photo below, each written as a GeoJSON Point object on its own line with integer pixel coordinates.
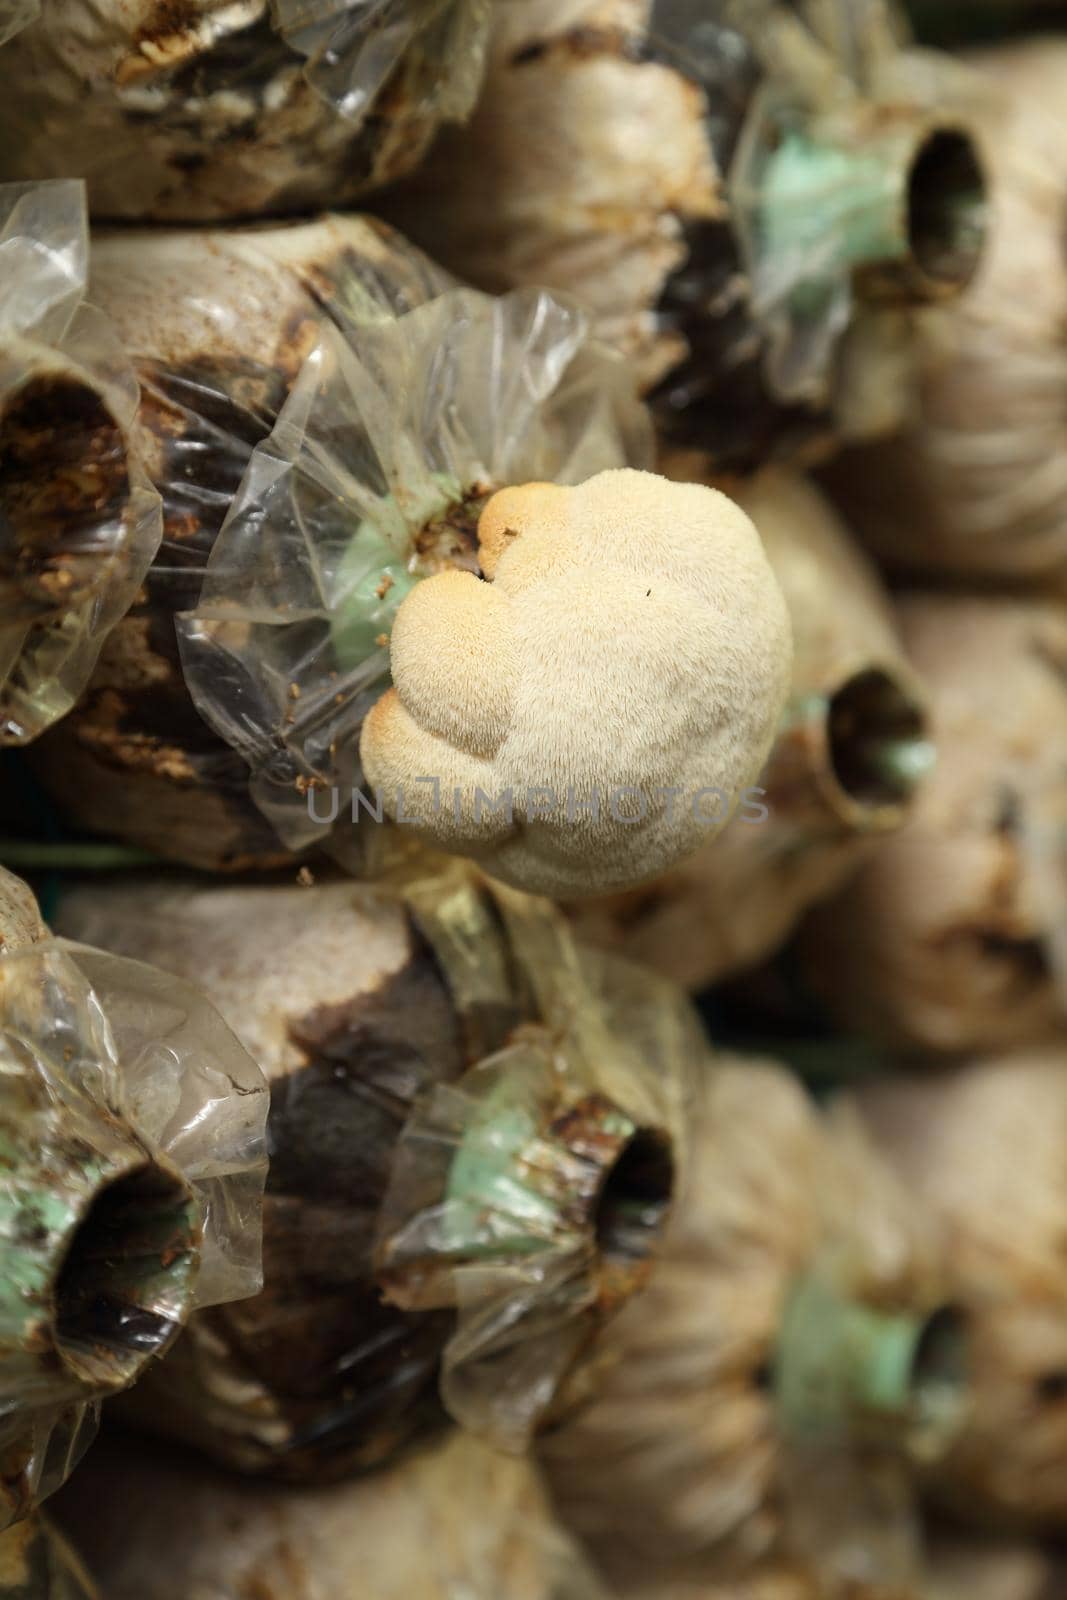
{"type": "Point", "coordinates": [217, 325]}
{"type": "Point", "coordinates": [751, 200]}
{"type": "Point", "coordinates": [79, 521]}
{"type": "Point", "coordinates": [793, 1362]}
{"type": "Point", "coordinates": [974, 487]}
{"type": "Point", "coordinates": [953, 1139]}
{"type": "Point", "coordinates": [133, 1174]}
{"type": "Point", "coordinates": [402, 606]}
{"type": "Point", "coordinates": [950, 938]}
{"type": "Point", "coordinates": [211, 112]}
{"type": "Point", "coordinates": [476, 1135]}
{"type": "Point", "coordinates": [403, 422]}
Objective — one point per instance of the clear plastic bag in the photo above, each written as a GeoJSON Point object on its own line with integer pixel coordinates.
{"type": "Point", "coordinates": [218, 325]}
{"type": "Point", "coordinates": [374, 476]}
{"type": "Point", "coordinates": [135, 1129]}
{"type": "Point", "coordinates": [40, 1454]}
{"type": "Point", "coordinates": [803, 181]}
{"type": "Point", "coordinates": [529, 1196]}
{"type": "Point", "coordinates": [369, 1008]}
{"type": "Point", "coordinates": [849, 180]}
{"type": "Point", "coordinates": [79, 521]}
{"type": "Point", "coordinates": [356, 48]}
{"type": "Point", "coordinates": [14, 14]}
{"type": "Point", "coordinates": [217, 111]}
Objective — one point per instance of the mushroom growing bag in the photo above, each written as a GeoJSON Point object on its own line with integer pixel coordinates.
{"type": "Point", "coordinates": [374, 476]}
{"type": "Point", "coordinates": [132, 1125]}
{"type": "Point", "coordinates": [79, 521]}
{"type": "Point", "coordinates": [751, 198]}
{"type": "Point", "coordinates": [209, 111]}
{"type": "Point", "coordinates": [218, 324]}
{"type": "Point", "coordinates": [792, 1358]}
{"type": "Point", "coordinates": [530, 1195]}
{"type": "Point", "coordinates": [474, 1142]}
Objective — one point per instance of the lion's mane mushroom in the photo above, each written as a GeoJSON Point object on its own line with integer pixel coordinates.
{"type": "Point", "coordinates": [591, 714]}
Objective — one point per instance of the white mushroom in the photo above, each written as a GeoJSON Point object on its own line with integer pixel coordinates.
{"type": "Point", "coordinates": [594, 711]}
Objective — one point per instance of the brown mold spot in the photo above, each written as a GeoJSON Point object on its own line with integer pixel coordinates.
{"type": "Point", "coordinates": [625, 1192]}
{"type": "Point", "coordinates": [334, 1123]}
{"type": "Point", "coordinates": [354, 1377]}
{"type": "Point", "coordinates": [64, 483]}
{"type": "Point", "coordinates": [451, 539]}
{"type": "Point", "coordinates": [167, 17]}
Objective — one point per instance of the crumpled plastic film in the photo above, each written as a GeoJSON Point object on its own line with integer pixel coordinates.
{"type": "Point", "coordinates": [756, 255]}
{"type": "Point", "coordinates": [818, 185]}
{"type": "Point", "coordinates": [354, 998]}
{"type": "Point", "coordinates": [362, 1001]}
{"type": "Point", "coordinates": [132, 1125]}
{"type": "Point", "coordinates": [530, 1195]}
{"type": "Point", "coordinates": [79, 521]}
{"type": "Point", "coordinates": [226, 109]}
{"type": "Point", "coordinates": [374, 476]}
{"type": "Point", "coordinates": [14, 14]}
{"type": "Point", "coordinates": [190, 1088]}
{"type": "Point", "coordinates": [355, 48]}
{"type": "Point", "coordinates": [218, 324]}
{"type": "Point", "coordinates": [36, 1563]}
{"type": "Point", "coordinates": [40, 1455]}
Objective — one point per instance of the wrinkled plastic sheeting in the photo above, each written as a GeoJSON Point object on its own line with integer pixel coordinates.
{"type": "Point", "coordinates": [108, 1064]}
{"type": "Point", "coordinates": [402, 428]}
{"type": "Point", "coordinates": [14, 14]}
{"type": "Point", "coordinates": [192, 1090]}
{"type": "Point", "coordinates": [355, 47]}
{"type": "Point", "coordinates": [493, 1205]}
{"type": "Point", "coordinates": [36, 1563]}
{"type": "Point", "coordinates": [829, 65]}
{"type": "Point", "coordinates": [221, 109]}
{"type": "Point", "coordinates": [40, 1454]}
{"type": "Point", "coordinates": [214, 417]}
{"type": "Point", "coordinates": [52, 627]}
